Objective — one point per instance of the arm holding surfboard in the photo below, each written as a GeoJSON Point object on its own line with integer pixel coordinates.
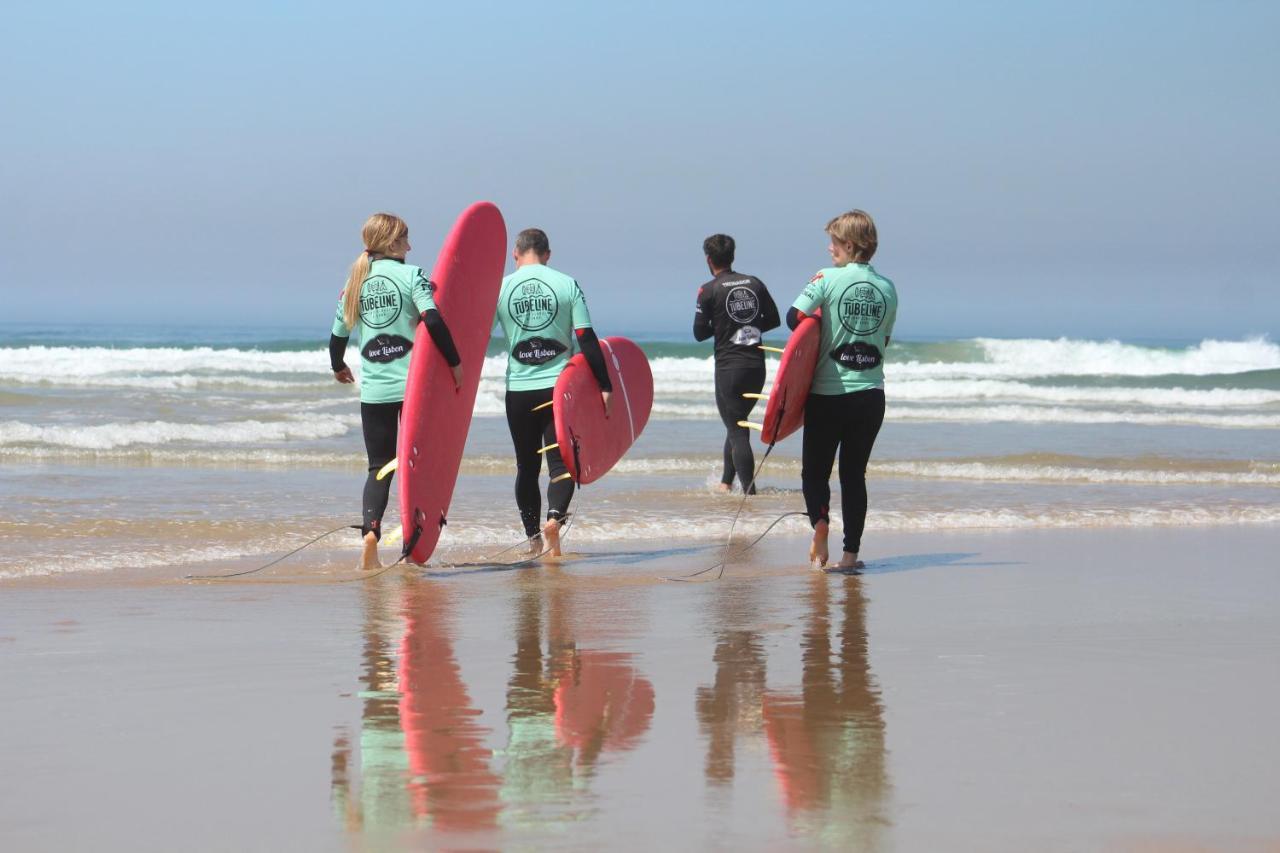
{"type": "Point", "coordinates": [589, 344]}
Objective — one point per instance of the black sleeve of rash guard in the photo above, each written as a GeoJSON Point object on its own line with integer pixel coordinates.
{"type": "Point", "coordinates": [702, 325]}
{"type": "Point", "coordinates": [337, 352]}
{"type": "Point", "coordinates": [793, 318]}
{"type": "Point", "coordinates": [590, 346]}
{"type": "Point", "coordinates": [440, 336]}
{"type": "Point", "coordinates": [768, 310]}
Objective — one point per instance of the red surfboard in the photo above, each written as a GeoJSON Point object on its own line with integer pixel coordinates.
{"type": "Point", "coordinates": [590, 443]}
{"type": "Point", "coordinates": [436, 416]}
{"type": "Point", "coordinates": [784, 412]}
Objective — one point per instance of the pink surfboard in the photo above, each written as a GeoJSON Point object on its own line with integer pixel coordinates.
{"type": "Point", "coordinates": [784, 412]}
{"type": "Point", "coordinates": [590, 443]}
{"type": "Point", "coordinates": [436, 416]}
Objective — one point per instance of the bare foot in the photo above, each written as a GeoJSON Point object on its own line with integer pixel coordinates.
{"type": "Point", "coordinates": [850, 561]}
{"type": "Point", "coordinates": [369, 556]}
{"type": "Point", "coordinates": [724, 487]}
{"type": "Point", "coordinates": [535, 545]}
{"type": "Point", "coordinates": [551, 530]}
{"type": "Point", "coordinates": [818, 554]}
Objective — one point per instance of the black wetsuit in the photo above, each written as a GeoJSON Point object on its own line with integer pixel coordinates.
{"type": "Point", "coordinates": [737, 310]}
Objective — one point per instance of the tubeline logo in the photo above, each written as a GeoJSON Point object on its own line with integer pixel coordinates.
{"type": "Point", "coordinates": [379, 302]}
{"type": "Point", "coordinates": [858, 356]}
{"type": "Point", "coordinates": [742, 305]}
{"type": "Point", "coordinates": [536, 351]}
{"type": "Point", "coordinates": [386, 348]}
{"type": "Point", "coordinates": [532, 304]}
{"type": "Point", "coordinates": [861, 308]}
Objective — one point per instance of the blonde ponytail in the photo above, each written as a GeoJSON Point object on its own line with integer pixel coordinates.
{"type": "Point", "coordinates": [381, 234]}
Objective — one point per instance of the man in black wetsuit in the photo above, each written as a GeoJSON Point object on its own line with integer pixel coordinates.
{"type": "Point", "coordinates": [737, 309]}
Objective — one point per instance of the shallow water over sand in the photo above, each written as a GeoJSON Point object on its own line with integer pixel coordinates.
{"type": "Point", "coordinates": [1049, 690]}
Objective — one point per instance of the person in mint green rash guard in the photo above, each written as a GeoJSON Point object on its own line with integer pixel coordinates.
{"type": "Point", "coordinates": [846, 401]}
{"type": "Point", "coordinates": [384, 299]}
{"type": "Point", "coordinates": [544, 317]}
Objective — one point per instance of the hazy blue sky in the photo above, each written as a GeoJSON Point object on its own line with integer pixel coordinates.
{"type": "Point", "coordinates": [1037, 168]}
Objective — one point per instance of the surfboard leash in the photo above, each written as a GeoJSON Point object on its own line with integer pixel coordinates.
{"type": "Point", "coordinates": [728, 542]}
{"type": "Point", "coordinates": [273, 562]}
{"type": "Point", "coordinates": [728, 539]}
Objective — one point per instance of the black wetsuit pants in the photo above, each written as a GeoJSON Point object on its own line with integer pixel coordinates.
{"type": "Point", "coordinates": [850, 423]}
{"type": "Point", "coordinates": [530, 432]}
{"type": "Point", "coordinates": [381, 424]}
{"type": "Point", "coordinates": [731, 384]}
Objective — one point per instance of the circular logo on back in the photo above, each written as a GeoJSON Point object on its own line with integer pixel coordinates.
{"type": "Point", "coordinates": [532, 305]}
{"type": "Point", "coordinates": [742, 305]}
{"type": "Point", "coordinates": [379, 302]}
{"type": "Point", "coordinates": [861, 308]}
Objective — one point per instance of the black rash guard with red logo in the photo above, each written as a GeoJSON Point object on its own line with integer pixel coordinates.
{"type": "Point", "coordinates": [737, 309]}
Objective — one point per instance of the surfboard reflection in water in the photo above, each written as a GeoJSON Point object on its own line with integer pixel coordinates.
{"type": "Point", "coordinates": [422, 760]}
{"type": "Point", "coordinates": [566, 708]}
{"type": "Point", "coordinates": [422, 756]}
{"type": "Point", "coordinates": [827, 742]}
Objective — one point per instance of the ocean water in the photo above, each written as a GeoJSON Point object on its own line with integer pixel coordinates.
{"type": "Point", "coordinates": [126, 448]}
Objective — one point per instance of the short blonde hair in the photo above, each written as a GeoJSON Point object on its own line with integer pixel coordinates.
{"type": "Point", "coordinates": [856, 227]}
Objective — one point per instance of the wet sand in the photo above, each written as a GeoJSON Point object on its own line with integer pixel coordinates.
{"type": "Point", "coordinates": [1032, 690]}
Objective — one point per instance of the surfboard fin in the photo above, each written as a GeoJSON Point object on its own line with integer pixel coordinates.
{"type": "Point", "coordinates": [750, 425]}
{"type": "Point", "coordinates": [771, 349]}
{"type": "Point", "coordinates": [549, 447]}
{"type": "Point", "coordinates": [388, 468]}
{"type": "Point", "coordinates": [394, 536]}
{"type": "Point", "coordinates": [755, 396]}
{"type": "Point", "coordinates": [565, 476]}
{"type": "Point", "coordinates": [541, 406]}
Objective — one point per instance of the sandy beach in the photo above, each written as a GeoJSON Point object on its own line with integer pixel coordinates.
{"type": "Point", "coordinates": [1008, 690]}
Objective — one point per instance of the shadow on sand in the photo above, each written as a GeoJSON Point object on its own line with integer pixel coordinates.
{"type": "Point", "coordinates": [912, 562]}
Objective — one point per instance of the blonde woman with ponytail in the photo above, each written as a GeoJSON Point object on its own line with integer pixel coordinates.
{"type": "Point", "coordinates": [383, 300]}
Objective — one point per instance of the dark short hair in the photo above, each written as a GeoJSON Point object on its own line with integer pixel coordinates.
{"type": "Point", "coordinates": [719, 250]}
{"type": "Point", "coordinates": [533, 239]}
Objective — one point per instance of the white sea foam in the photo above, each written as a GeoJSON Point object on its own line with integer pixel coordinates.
{"type": "Point", "coordinates": [594, 526]}
{"type": "Point", "coordinates": [94, 560]}
{"type": "Point", "coordinates": [1067, 357]}
{"type": "Point", "coordinates": [960, 390]}
{"type": "Point", "coordinates": [114, 435]}
{"type": "Point", "coordinates": [1061, 415]}
{"type": "Point", "coordinates": [70, 363]}
{"type": "Point", "coordinates": [996, 472]}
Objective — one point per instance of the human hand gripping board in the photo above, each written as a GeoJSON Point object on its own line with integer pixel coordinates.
{"type": "Point", "coordinates": [784, 409]}
{"type": "Point", "coordinates": [437, 413]}
{"type": "Point", "coordinates": [590, 443]}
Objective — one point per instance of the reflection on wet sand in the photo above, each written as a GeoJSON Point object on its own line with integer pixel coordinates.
{"type": "Point", "coordinates": [423, 761]}
{"type": "Point", "coordinates": [731, 705]}
{"type": "Point", "coordinates": [565, 706]}
{"type": "Point", "coordinates": [827, 741]}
